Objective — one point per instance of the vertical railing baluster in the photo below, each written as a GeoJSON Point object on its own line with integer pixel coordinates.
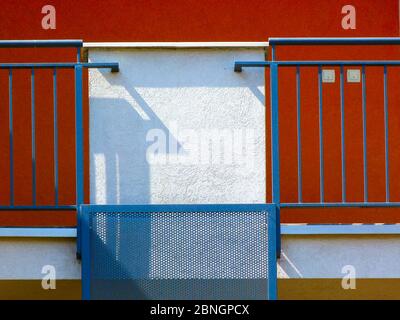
{"type": "Point", "coordinates": [276, 193]}
{"type": "Point", "coordinates": [33, 135]}
{"type": "Point", "coordinates": [386, 116]}
{"type": "Point", "coordinates": [342, 126]}
{"type": "Point", "coordinates": [55, 129]}
{"type": "Point", "coordinates": [79, 178]}
{"type": "Point", "coordinates": [364, 121]}
{"type": "Point", "coordinates": [11, 134]}
{"type": "Point", "coordinates": [321, 139]}
{"type": "Point", "coordinates": [78, 54]}
{"type": "Point", "coordinates": [299, 163]}
{"type": "Point", "coordinates": [273, 53]}
{"type": "Point", "coordinates": [79, 134]}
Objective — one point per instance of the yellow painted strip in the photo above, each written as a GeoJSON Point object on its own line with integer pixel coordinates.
{"type": "Point", "coordinates": [331, 289]}
{"type": "Point", "coordinates": [288, 289]}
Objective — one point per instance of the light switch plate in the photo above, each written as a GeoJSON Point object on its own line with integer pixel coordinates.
{"type": "Point", "coordinates": [328, 76]}
{"type": "Point", "coordinates": [353, 75]}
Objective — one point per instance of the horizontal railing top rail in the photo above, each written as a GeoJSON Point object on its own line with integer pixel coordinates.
{"type": "Point", "coordinates": [332, 63]}
{"type": "Point", "coordinates": [334, 41]}
{"type": "Point", "coordinates": [41, 43]}
{"type": "Point", "coordinates": [114, 66]}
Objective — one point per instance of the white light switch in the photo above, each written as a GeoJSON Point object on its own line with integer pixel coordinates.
{"type": "Point", "coordinates": [328, 76]}
{"type": "Point", "coordinates": [353, 75]}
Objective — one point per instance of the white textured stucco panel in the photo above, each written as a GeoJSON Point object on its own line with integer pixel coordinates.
{"type": "Point", "coordinates": [24, 258]}
{"type": "Point", "coordinates": [185, 95]}
{"type": "Point", "coordinates": [325, 256]}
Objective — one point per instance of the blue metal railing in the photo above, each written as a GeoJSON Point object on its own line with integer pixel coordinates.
{"type": "Point", "coordinates": [54, 68]}
{"type": "Point", "coordinates": [274, 65]}
{"type": "Point", "coordinates": [333, 41]}
{"type": "Point", "coordinates": [41, 43]}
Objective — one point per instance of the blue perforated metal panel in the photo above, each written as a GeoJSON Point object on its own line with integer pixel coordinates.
{"type": "Point", "coordinates": [179, 252]}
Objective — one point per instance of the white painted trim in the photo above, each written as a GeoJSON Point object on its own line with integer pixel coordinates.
{"type": "Point", "coordinates": [174, 45]}
{"type": "Point", "coordinates": [340, 229]}
{"type": "Point", "coordinates": [38, 232]}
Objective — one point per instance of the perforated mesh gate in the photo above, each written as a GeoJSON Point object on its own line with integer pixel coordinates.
{"type": "Point", "coordinates": [179, 252]}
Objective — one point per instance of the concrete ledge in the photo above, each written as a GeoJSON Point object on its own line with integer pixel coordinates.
{"type": "Point", "coordinates": [287, 229]}
{"type": "Point", "coordinates": [303, 229]}
{"type": "Point", "coordinates": [174, 45]}
{"type": "Point", "coordinates": [38, 232]}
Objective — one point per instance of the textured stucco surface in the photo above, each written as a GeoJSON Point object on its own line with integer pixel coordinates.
{"type": "Point", "coordinates": [24, 258]}
{"type": "Point", "coordinates": [185, 93]}
{"type": "Point", "coordinates": [303, 257]}
{"type": "Point", "coordinates": [319, 256]}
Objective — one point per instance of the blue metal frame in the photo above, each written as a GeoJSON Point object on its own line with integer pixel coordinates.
{"type": "Point", "coordinates": [321, 137]}
{"type": "Point", "coordinates": [79, 135]}
{"type": "Point", "coordinates": [87, 210]}
{"type": "Point", "coordinates": [334, 41]}
{"type": "Point", "coordinates": [55, 130]}
{"type": "Point", "coordinates": [41, 43]}
{"type": "Point", "coordinates": [11, 134]}
{"type": "Point", "coordinates": [33, 136]}
{"type": "Point", "coordinates": [364, 121]}
{"type": "Point", "coordinates": [299, 153]}
{"type": "Point", "coordinates": [79, 175]}
{"type": "Point", "coordinates": [239, 65]}
{"type": "Point", "coordinates": [275, 162]}
{"type": "Point", "coordinates": [78, 68]}
{"type": "Point", "coordinates": [113, 66]}
{"type": "Point", "coordinates": [274, 66]}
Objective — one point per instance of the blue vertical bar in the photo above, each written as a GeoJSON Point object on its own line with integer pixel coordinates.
{"type": "Point", "coordinates": [78, 54]}
{"type": "Point", "coordinates": [364, 120]}
{"type": "Point", "coordinates": [386, 115]}
{"type": "Point", "coordinates": [273, 53]}
{"type": "Point", "coordinates": [299, 164]}
{"type": "Point", "coordinates": [33, 136]}
{"type": "Point", "coordinates": [11, 135]}
{"type": "Point", "coordinates": [272, 263]}
{"type": "Point", "coordinates": [85, 234]}
{"type": "Point", "coordinates": [79, 147]}
{"type": "Point", "coordinates": [55, 129]}
{"type": "Point", "coordinates": [276, 192]}
{"type": "Point", "coordinates": [321, 139]}
{"type": "Point", "coordinates": [342, 122]}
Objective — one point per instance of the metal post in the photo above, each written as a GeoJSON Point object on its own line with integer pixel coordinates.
{"type": "Point", "coordinates": [79, 149]}
{"type": "Point", "coordinates": [299, 151]}
{"type": "Point", "coordinates": [11, 134]}
{"type": "Point", "coordinates": [272, 263]}
{"type": "Point", "coordinates": [321, 138]}
{"type": "Point", "coordinates": [85, 236]}
{"type": "Point", "coordinates": [276, 194]}
{"type": "Point", "coordinates": [364, 120]}
{"type": "Point", "coordinates": [55, 142]}
{"type": "Point", "coordinates": [33, 136]}
{"type": "Point", "coordinates": [343, 136]}
{"type": "Point", "coordinates": [386, 120]}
